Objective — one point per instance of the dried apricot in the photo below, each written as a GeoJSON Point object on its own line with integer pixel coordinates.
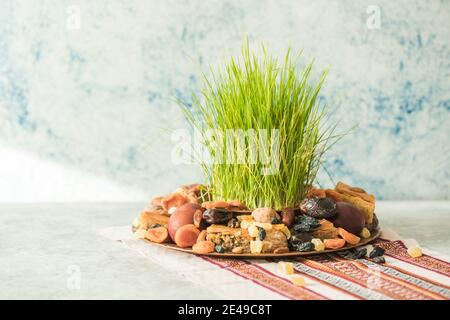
{"type": "Point", "coordinates": [186, 236]}
{"type": "Point", "coordinates": [158, 234]}
{"type": "Point", "coordinates": [348, 237]}
{"type": "Point", "coordinates": [203, 247]}
{"type": "Point", "coordinates": [334, 243]}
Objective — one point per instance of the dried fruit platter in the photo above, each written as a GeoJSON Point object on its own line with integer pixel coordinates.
{"type": "Point", "coordinates": [324, 221]}
{"type": "Point", "coordinates": [172, 246]}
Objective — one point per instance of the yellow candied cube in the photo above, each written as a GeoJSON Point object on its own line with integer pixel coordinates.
{"type": "Point", "coordinates": [286, 267]}
{"type": "Point", "coordinates": [298, 281]}
{"type": "Point", "coordinates": [318, 244]}
{"type": "Point", "coordinates": [256, 246]}
{"type": "Point", "coordinates": [253, 230]}
{"type": "Point", "coordinates": [415, 251]}
{"type": "Point", "coordinates": [365, 233]}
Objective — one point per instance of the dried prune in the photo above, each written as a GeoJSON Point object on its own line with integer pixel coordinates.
{"type": "Point", "coordinates": [261, 234]}
{"type": "Point", "coordinates": [217, 216]}
{"type": "Point", "coordinates": [300, 237]}
{"type": "Point", "coordinates": [302, 227]}
{"type": "Point", "coordinates": [376, 252]}
{"type": "Point", "coordinates": [312, 222]}
{"type": "Point", "coordinates": [359, 253]}
{"type": "Point", "coordinates": [304, 246]}
{"type": "Point", "coordinates": [321, 208]}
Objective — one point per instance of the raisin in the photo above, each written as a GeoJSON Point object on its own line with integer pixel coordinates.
{"type": "Point", "coordinates": [379, 259]}
{"type": "Point", "coordinates": [360, 253]}
{"type": "Point", "coordinates": [262, 234]}
{"type": "Point", "coordinates": [219, 249]}
{"type": "Point", "coordinates": [305, 246]}
{"type": "Point", "coordinates": [376, 252]}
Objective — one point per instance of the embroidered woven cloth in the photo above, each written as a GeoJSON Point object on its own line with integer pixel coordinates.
{"type": "Point", "coordinates": [327, 276]}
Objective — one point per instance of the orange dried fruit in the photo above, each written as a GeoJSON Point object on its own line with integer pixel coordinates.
{"type": "Point", "coordinates": [203, 247]}
{"type": "Point", "coordinates": [175, 199]}
{"type": "Point", "coordinates": [334, 243]}
{"type": "Point", "coordinates": [158, 235]}
{"type": "Point", "coordinates": [348, 237]}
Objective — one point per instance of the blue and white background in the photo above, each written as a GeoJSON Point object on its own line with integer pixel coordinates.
{"type": "Point", "coordinates": [88, 90]}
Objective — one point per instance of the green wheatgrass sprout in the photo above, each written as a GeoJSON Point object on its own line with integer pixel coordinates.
{"type": "Point", "coordinates": [263, 93]}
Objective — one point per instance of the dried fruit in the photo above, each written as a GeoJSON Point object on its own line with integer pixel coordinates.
{"type": "Point", "coordinates": [318, 244]}
{"type": "Point", "coordinates": [359, 253]}
{"type": "Point", "coordinates": [286, 267]}
{"type": "Point", "coordinates": [320, 208]}
{"type": "Point", "coordinates": [300, 237]}
{"type": "Point", "coordinates": [303, 246]}
{"type": "Point", "coordinates": [334, 243]}
{"type": "Point", "coordinates": [217, 216]}
{"type": "Point", "coordinates": [198, 220]}
{"type": "Point", "coordinates": [365, 233]}
{"type": "Point", "coordinates": [182, 216]}
{"type": "Point", "coordinates": [415, 251]}
{"type": "Point", "coordinates": [348, 237]}
{"type": "Point", "coordinates": [158, 235]}
{"type": "Point", "coordinates": [376, 252]}
{"type": "Point", "coordinates": [298, 281]}
{"type": "Point", "coordinates": [379, 259]}
{"type": "Point", "coordinates": [203, 247]}
{"type": "Point", "coordinates": [175, 199]}
{"type": "Point", "coordinates": [256, 246]}
{"type": "Point", "coordinates": [261, 234]}
{"type": "Point", "coordinates": [287, 216]}
{"type": "Point", "coordinates": [186, 236]}
{"type": "Point", "coordinates": [348, 217]}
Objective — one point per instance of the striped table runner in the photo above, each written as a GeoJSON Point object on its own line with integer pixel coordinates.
{"type": "Point", "coordinates": [327, 276]}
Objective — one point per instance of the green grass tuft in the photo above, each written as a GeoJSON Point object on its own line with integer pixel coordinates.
{"type": "Point", "coordinates": [263, 93]}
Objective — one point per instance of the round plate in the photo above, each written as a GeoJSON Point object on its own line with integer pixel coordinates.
{"type": "Point", "coordinates": [173, 246]}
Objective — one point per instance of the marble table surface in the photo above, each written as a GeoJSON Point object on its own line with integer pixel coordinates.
{"type": "Point", "coordinates": [44, 246]}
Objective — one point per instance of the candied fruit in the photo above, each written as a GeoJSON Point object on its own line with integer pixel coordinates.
{"type": "Point", "coordinates": [298, 281]}
{"type": "Point", "coordinates": [415, 251]}
{"type": "Point", "coordinates": [318, 244]}
{"type": "Point", "coordinates": [286, 267]}
{"type": "Point", "coordinates": [365, 233]}
{"type": "Point", "coordinates": [256, 246]}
